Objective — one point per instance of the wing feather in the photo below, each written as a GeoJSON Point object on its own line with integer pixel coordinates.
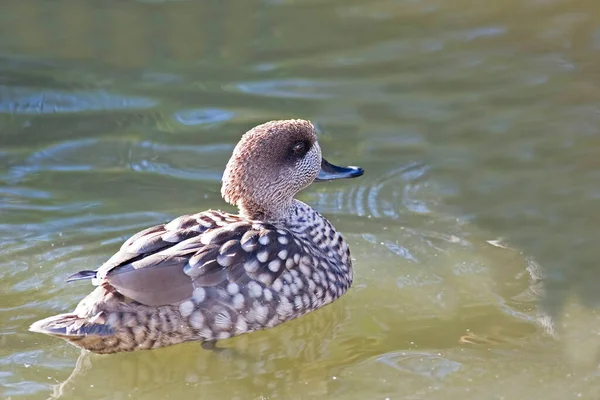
{"type": "Point", "coordinates": [163, 264]}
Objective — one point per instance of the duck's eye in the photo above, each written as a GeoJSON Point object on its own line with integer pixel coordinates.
{"type": "Point", "coordinates": [299, 149]}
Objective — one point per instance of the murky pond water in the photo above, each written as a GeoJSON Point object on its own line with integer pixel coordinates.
{"type": "Point", "coordinates": [474, 120]}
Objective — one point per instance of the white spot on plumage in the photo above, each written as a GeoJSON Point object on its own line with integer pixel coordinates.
{"type": "Point", "coordinates": [251, 265]}
{"type": "Point", "coordinates": [289, 263]}
{"type": "Point", "coordinates": [316, 277]}
{"type": "Point", "coordinates": [254, 289]}
{"type": "Point", "coordinates": [305, 269]}
{"type": "Point", "coordinates": [241, 325]}
{"type": "Point", "coordinates": [294, 288]}
{"type": "Point", "coordinates": [298, 305]}
{"type": "Point", "coordinates": [331, 276]}
{"type": "Point", "coordinates": [226, 260]}
{"type": "Point", "coordinates": [262, 256]}
{"type": "Point", "coordinates": [233, 288]}
{"type": "Point", "coordinates": [283, 254]}
{"type": "Point", "coordinates": [287, 292]}
{"type": "Point", "coordinates": [186, 308]}
{"type": "Point", "coordinates": [322, 275]}
{"type": "Point", "coordinates": [265, 278]}
{"type": "Point", "coordinates": [264, 240]}
{"type": "Point", "coordinates": [275, 265]}
{"type": "Point", "coordinates": [251, 316]}
{"type": "Point", "coordinates": [283, 240]}
{"type": "Point", "coordinates": [277, 284]}
{"type": "Point", "coordinates": [261, 313]}
{"type": "Point", "coordinates": [268, 295]}
{"type": "Point", "coordinates": [296, 258]}
{"type": "Point", "coordinates": [199, 295]}
{"type": "Point", "coordinates": [281, 232]}
{"type": "Point", "coordinates": [197, 319]}
{"type": "Point", "coordinates": [238, 301]}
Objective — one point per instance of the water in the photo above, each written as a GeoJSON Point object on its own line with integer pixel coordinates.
{"type": "Point", "coordinates": [474, 121]}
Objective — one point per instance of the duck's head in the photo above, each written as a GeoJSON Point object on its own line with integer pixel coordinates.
{"type": "Point", "coordinates": [271, 163]}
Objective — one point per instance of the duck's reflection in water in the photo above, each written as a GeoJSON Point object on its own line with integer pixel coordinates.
{"type": "Point", "coordinates": [270, 363]}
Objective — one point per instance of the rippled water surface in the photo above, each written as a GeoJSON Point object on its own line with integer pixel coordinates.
{"type": "Point", "coordinates": [474, 229]}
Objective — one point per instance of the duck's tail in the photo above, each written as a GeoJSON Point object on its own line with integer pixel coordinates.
{"type": "Point", "coordinates": [80, 331]}
{"type": "Point", "coordinates": [68, 326]}
{"type": "Point", "coordinates": [104, 322]}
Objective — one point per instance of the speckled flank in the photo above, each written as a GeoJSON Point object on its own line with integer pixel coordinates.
{"type": "Point", "coordinates": [206, 277]}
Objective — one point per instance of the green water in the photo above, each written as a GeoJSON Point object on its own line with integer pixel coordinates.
{"type": "Point", "coordinates": [474, 120]}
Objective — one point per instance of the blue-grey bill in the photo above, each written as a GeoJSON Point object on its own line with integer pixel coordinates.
{"type": "Point", "coordinates": [330, 172]}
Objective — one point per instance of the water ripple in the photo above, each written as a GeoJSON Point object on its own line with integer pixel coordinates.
{"type": "Point", "coordinates": [423, 364]}
{"type": "Point", "coordinates": [288, 88]}
{"type": "Point", "coordinates": [20, 100]}
{"type": "Point", "coordinates": [383, 196]}
{"type": "Point", "coordinates": [95, 155]}
{"type": "Point", "coordinates": [202, 116]}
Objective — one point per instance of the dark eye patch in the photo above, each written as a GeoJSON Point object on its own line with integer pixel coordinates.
{"type": "Point", "coordinates": [300, 148]}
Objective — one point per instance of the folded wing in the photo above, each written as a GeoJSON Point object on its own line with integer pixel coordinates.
{"type": "Point", "coordinates": [163, 264]}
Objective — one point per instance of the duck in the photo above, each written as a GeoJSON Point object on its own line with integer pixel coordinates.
{"type": "Point", "coordinates": [214, 275]}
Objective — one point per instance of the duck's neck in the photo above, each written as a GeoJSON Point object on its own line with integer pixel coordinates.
{"type": "Point", "coordinates": [294, 215]}
{"type": "Point", "coordinates": [262, 212]}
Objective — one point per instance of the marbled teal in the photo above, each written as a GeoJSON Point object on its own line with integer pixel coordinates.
{"type": "Point", "coordinates": [214, 275]}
